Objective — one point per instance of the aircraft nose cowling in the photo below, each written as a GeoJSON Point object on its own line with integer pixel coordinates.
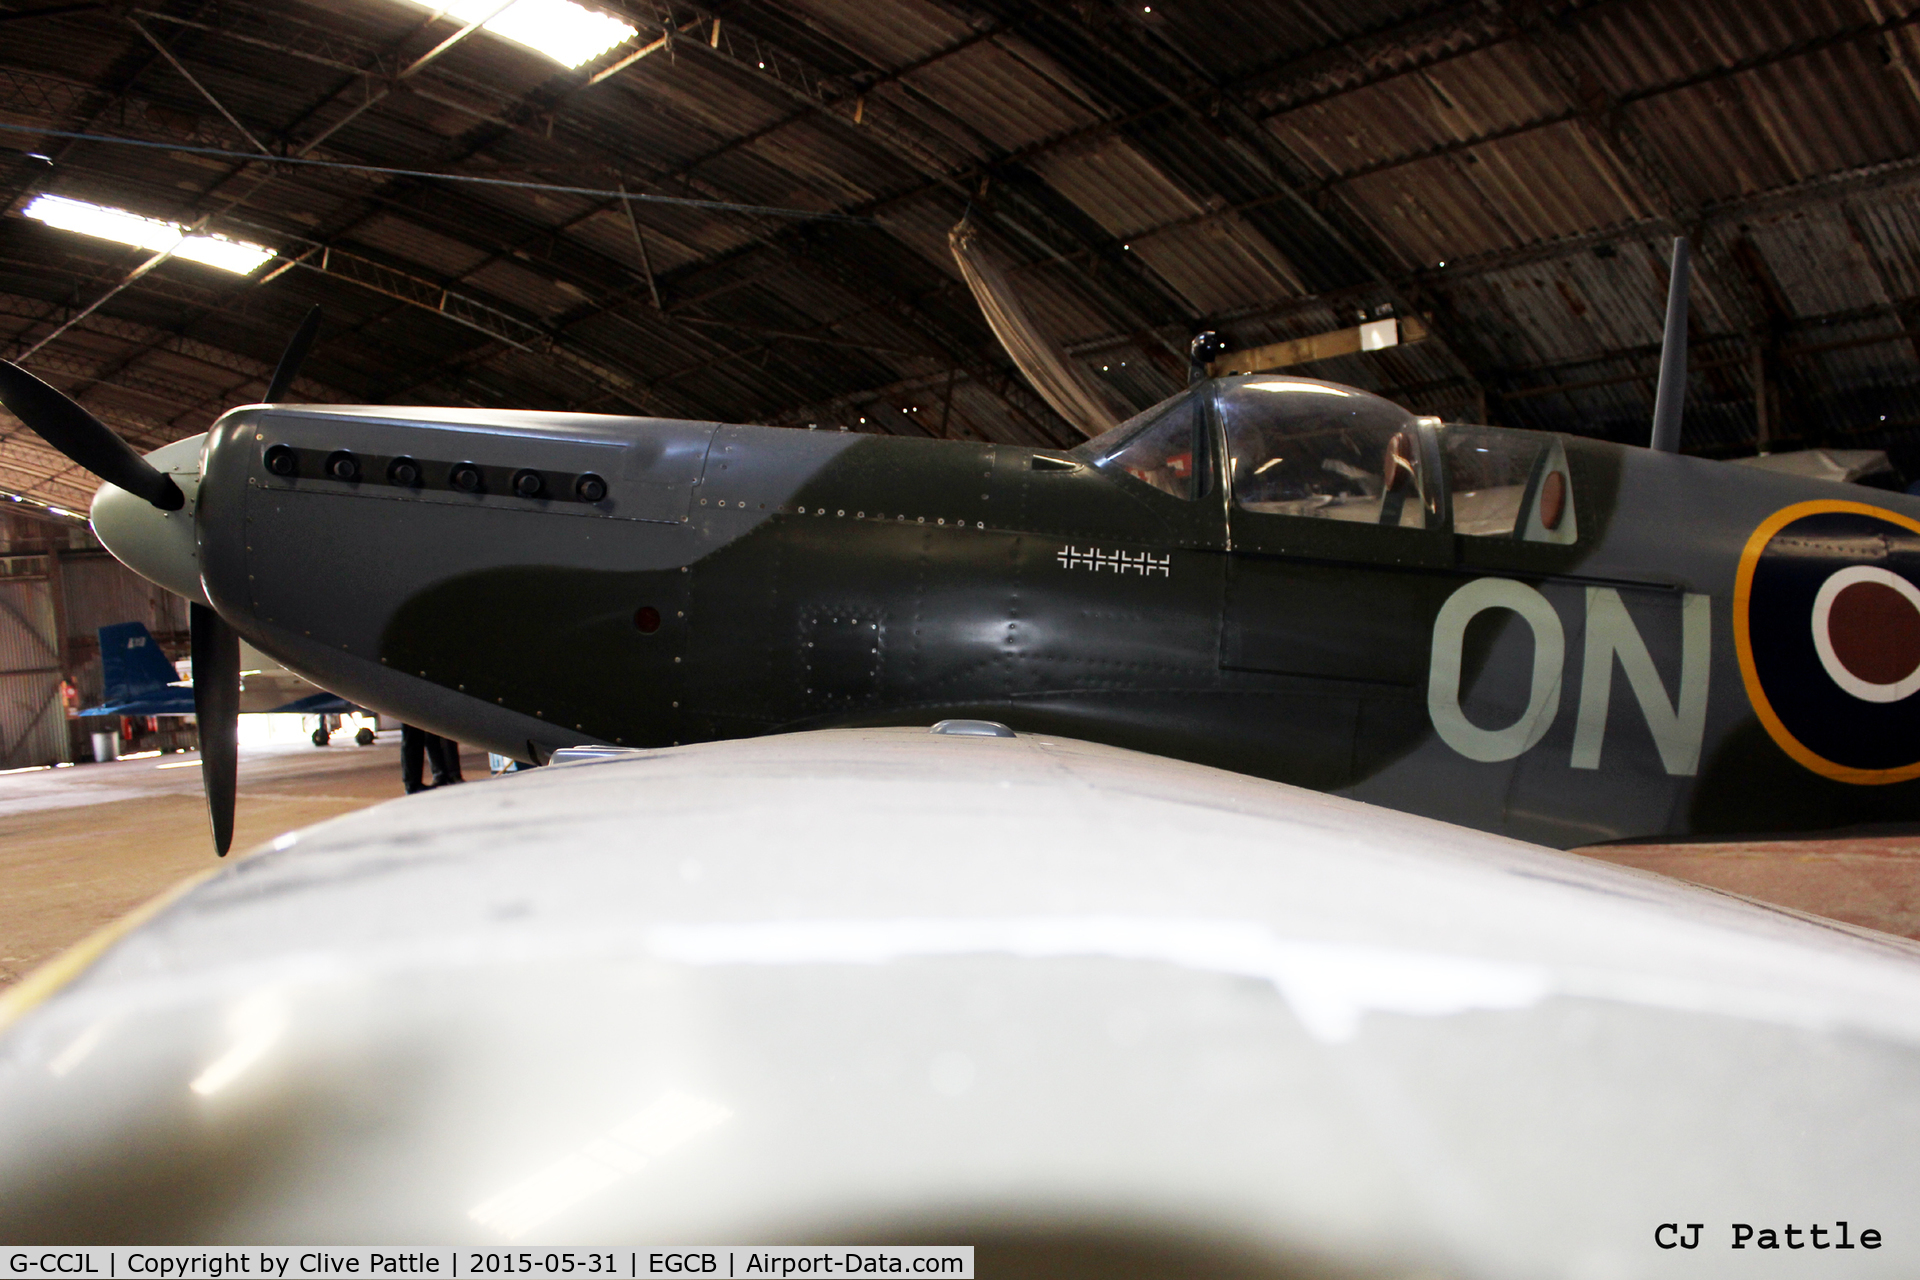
{"type": "Point", "coordinates": [158, 545]}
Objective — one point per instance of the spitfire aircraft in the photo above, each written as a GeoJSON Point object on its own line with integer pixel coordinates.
{"type": "Point", "coordinates": [1547, 636]}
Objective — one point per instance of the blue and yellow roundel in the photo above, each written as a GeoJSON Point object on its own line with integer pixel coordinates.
{"type": "Point", "coordinates": [1826, 623]}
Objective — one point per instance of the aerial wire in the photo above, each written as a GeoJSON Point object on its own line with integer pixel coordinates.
{"type": "Point", "coordinates": [251, 157]}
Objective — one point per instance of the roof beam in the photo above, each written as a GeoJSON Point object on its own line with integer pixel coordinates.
{"type": "Point", "coordinates": [794, 78]}
{"type": "Point", "coordinates": [776, 245]}
{"type": "Point", "coordinates": [203, 353]}
{"type": "Point", "coordinates": [1223, 138]}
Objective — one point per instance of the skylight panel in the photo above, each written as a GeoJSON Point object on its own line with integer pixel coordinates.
{"type": "Point", "coordinates": [122, 227]}
{"type": "Point", "coordinates": [568, 33]}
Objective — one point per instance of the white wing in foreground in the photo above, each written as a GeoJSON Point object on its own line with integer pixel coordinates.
{"type": "Point", "coordinates": [1022, 992]}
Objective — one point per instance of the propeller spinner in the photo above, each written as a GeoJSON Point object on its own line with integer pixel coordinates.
{"type": "Point", "coordinates": [168, 547]}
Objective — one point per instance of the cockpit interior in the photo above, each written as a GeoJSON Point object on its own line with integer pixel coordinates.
{"type": "Point", "coordinates": [1300, 448]}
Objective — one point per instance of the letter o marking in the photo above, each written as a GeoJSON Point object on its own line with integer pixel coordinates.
{"type": "Point", "coordinates": [1443, 678]}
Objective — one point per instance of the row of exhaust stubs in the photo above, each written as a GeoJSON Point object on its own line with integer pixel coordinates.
{"type": "Point", "coordinates": [408, 474]}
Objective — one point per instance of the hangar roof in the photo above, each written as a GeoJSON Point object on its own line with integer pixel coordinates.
{"type": "Point", "coordinates": [1510, 170]}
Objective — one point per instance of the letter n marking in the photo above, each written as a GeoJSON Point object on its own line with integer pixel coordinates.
{"type": "Point", "coordinates": [1678, 726]}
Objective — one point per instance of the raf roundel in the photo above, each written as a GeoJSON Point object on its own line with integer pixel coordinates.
{"type": "Point", "coordinates": [1827, 628]}
{"type": "Point", "coordinates": [1866, 629]}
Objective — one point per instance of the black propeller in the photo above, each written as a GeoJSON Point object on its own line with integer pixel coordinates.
{"type": "Point", "coordinates": [290, 358]}
{"type": "Point", "coordinates": [216, 704]}
{"type": "Point", "coordinates": [216, 646]}
{"type": "Point", "coordinates": [84, 438]}
{"type": "Point", "coordinates": [216, 651]}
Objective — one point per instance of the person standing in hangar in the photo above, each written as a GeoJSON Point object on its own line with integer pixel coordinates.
{"type": "Point", "coordinates": [441, 755]}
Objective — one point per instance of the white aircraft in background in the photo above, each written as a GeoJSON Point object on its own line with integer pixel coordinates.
{"type": "Point", "coordinates": [139, 680]}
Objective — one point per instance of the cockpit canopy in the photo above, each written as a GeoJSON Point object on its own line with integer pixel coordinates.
{"type": "Point", "coordinates": [1298, 447]}
{"type": "Point", "coordinates": [1305, 448]}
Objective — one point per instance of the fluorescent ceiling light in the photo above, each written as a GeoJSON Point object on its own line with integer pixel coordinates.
{"type": "Point", "coordinates": [146, 233]}
{"type": "Point", "coordinates": [236, 256]}
{"type": "Point", "coordinates": [568, 33]}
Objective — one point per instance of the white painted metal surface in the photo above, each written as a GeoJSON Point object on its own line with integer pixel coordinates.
{"type": "Point", "coordinates": [866, 984]}
{"type": "Point", "coordinates": [158, 545]}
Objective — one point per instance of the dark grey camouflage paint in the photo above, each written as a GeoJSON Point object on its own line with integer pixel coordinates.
{"type": "Point", "coordinates": [807, 579]}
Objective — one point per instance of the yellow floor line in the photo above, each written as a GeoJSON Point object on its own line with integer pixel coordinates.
{"type": "Point", "coordinates": [56, 973]}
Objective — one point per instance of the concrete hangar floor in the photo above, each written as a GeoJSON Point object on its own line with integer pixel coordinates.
{"type": "Point", "coordinates": [81, 846]}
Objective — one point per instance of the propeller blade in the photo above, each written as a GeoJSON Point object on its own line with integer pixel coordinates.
{"type": "Point", "coordinates": [84, 438]}
{"type": "Point", "coordinates": [216, 646]}
{"type": "Point", "coordinates": [216, 702]}
{"type": "Point", "coordinates": [291, 358]}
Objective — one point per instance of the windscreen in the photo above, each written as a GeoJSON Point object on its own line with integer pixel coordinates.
{"type": "Point", "coordinates": [1159, 447]}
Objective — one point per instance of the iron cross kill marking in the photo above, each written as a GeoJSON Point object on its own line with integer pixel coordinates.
{"type": "Point", "coordinates": [1144, 563]}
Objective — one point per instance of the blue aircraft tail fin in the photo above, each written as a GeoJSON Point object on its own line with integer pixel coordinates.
{"type": "Point", "coordinates": [132, 663]}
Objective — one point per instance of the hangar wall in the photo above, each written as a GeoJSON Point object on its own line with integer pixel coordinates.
{"type": "Point", "coordinates": [57, 587]}
{"type": "Point", "coordinates": [32, 719]}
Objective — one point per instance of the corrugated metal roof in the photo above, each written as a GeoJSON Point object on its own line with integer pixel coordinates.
{"type": "Point", "coordinates": [1213, 266]}
{"type": "Point", "coordinates": [1006, 92]}
{"type": "Point", "coordinates": [1476, 96]}
{"type": "Point", "coordinates": [1554, 151]}
{"type": "Point", "coordinates": [890, 35]}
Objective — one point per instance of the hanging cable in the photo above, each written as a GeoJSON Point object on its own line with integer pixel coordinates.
{"type": "Point", "coordinates": [247, 157]}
